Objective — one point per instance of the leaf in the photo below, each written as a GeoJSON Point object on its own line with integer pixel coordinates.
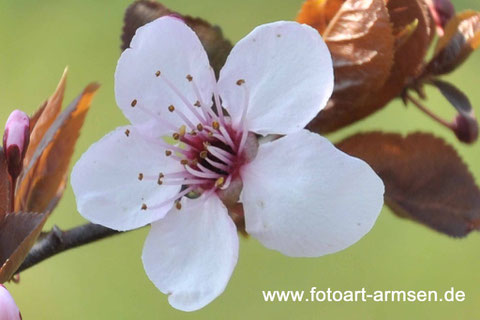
{"type": "Point", "coordinates": [462, 37]}
{"type": "Point", "coordinates": [466, 125]}
{"type": "Point", "coordinates": [144, 11]}
{"type": "Point", "coordinates": [45, 116]}
{"type": "Point", "coordinates": [45, 177]}
{"type": "Point", "coordinates": [318, 13]}
{"type": "Point", "coordinates": [5, 186]}
{"type": "Point", "coordinates": [425, 179]}
{"type": "Point", "coordinates": [18, 232]}
{"type": "Point", "coordinates": [361, 42]}
{"type": "Point", "coordinates": [138, 14]}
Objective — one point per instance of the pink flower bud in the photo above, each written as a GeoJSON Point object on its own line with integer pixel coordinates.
{"type": "Point", "coordinates": [15, 141]}
{"type": "Point", "coordinates": [442, 11]}
{"type": "Point", "coordinates": [8, 308]}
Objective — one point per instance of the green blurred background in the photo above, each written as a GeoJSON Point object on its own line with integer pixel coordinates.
{"type": "Point", "coordinates": [106, 280]}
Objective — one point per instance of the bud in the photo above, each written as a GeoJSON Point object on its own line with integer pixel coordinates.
{"type": "Point", "coordinates": [8, 308]}
{"type": "Point", "coordinates": [15, 141]}
{"type": "Point", "coordinates": [466, 129]}
{"type": "Point", "coordinates": [442, 11]}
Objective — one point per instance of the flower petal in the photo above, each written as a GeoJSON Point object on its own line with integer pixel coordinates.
{"type": "Point", "coordinates": [107, 186]}
{"type": "Point", "coordinates": [305, 198]}
{"type": "Point", "coordinates": [191, 253]}
{"type": "Point", "coordinates": [167, 45]}
{"type": "Point", "coordinates": [288, 72]}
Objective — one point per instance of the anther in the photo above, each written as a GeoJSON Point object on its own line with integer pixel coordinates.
{"type": "Point", "coordinates": [176, 136]}
{"type": "Point", "coordinates": [182, 130]}
{"type": "Point", "coordinates": [189, 77]}
{"type": "Point", "coordinates": [215, 125]}
{"type": "Point", "coordinates": [168, 153]}
{"type": "Point", "coordinates": [184, 162]}
{"type": "Point", "coordinates": [178, 205]}
{"type": "Point", "coordinates": [193, 133]}
{"type": "Point", "coordinates": [144, 207]}
{"type": "Point", "coordinates": [197, 104]}
{"type": "Point", "coordinates": [140, 176]}
{"type": "Point", "coordinates": [203, 154]}
{"type": "Point", "coordinates": [240, 82]}
{"type": "Point", "coordinates": [220, 181]}
{"type": "Point", "coordinates": [199, 127]}
{"type": "Point", "coordinates": [127, 132]}
{"type": "Point", "coordinates": [171, 108]}
{"type": "Point", "coordinates": [158, 73]}
{"type": "Point", "coordinates": [134, 103]}
{"type": "Point", "coordinates": [194, 162]}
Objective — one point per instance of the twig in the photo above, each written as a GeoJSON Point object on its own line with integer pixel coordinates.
{"type": "Point", "coordinates": [57, 241]}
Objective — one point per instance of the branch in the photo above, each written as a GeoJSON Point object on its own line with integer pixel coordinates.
{"type": "Point", "coordinates": [57, 241]}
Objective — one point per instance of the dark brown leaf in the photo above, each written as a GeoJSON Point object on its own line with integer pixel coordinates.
{"type": "Point", "coordinates": [144, 11]}
{"type": "Point", "coordinates": [46, 174]}
{"type": "Point", "coordinates": [18, 232]}
{"type": "Point", "coordinates": [5, 186]}
{"type": "Point", "coordinates": [361, 42]}
{"type": "Point", "coordinates": [462, 37]}
{"type": "Point", "coordinates": [425, 179]}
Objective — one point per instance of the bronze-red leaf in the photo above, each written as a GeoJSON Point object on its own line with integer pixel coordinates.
{"type": "Point", "coordinates": [144, 11]}
{"type": "Point", "coordinates": [18, 232]}
{"type": "Point", "coordinates": [425, 179]}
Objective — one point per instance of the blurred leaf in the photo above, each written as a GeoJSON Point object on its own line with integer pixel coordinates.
{"type": "Point", "coordinates": [5, 186]}
{"type": "Point", "coordinates": [18, 232]}
{"type": "Point", "coordinates": [462, 37]}
{"type": "Point", "coordinates": [46, 174]}
{"type": "Point", "coordinates": [466, 125]}
{"type": "Point", "coordinates": [319, 13]}
{"type": "Point", "coordinates": [425, 179]}
{"type": "Point", "coordinates": [361, 42]}
{"type": "Point", "coordinates": [456, 97]}
{"type": "Point", "coordinates": [43, 119]}
{"type": "Point", "coordinates": [144, 11]}
{"type": "Point", "coordinates": [140, 13]}
{"type": "Point", "coordinates": [36, 115]}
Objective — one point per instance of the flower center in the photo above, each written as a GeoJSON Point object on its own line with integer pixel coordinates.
{"type": "Point", "coordinates": [210, 148]}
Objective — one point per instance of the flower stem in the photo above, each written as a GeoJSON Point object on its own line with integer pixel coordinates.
{"type": "Point", "coordinates": [57, 241]}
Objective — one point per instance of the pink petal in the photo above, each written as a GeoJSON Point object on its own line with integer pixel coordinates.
{"type": "Point", "coordinates": [107, 186]}
{"type": "Point", "coordinates": [170, 47]}
{"type": "Point", "coordinates": [191, 253]}
{"type": "Point", "coordinates": [305, 198]}
{"type": "Point", "coordinates": [288, 73]}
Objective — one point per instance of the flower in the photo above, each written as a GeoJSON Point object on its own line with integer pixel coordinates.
{"type": "Point", "coordinates": [8, 308]}
{"type": "Point", "coordinates": [15, 141]}
{"type": "Point", "coordinates": [300, 195]}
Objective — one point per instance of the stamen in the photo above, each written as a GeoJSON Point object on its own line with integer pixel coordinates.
{"type": "Point", "coordinates": [178, 205]}
{"type": "Point", "coordinates": [184, 100]}
{"type": "Point", "coordinates": [144, 206]}
{"type": "Point", "coordinates": [218, 165]}
{"type": "Point", "coordinates": [171, 108]}
{"type": "Point", "coordinates": [227, 183]}
{"type": "Point", "coordinates": [178, 196]}
{"type": "Point", "coordinates": [205, 169]}
{"type": "Point", "coordinates": [215, 152]}
{"type": "Point", "coordinates": [207, 112]}
{"type": "Point", "coordinates": [216, 97]}
{"type": "Point", "coordinates": [127, 133]}
{"type": "Point", "coordinates": [229, 140]}
{"type": "Point", "coordinates": [134, 103]}
{"type": "Point", "coordinates": [202, 174]}
{"type": "Point", "coordinates": [140, 176]}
